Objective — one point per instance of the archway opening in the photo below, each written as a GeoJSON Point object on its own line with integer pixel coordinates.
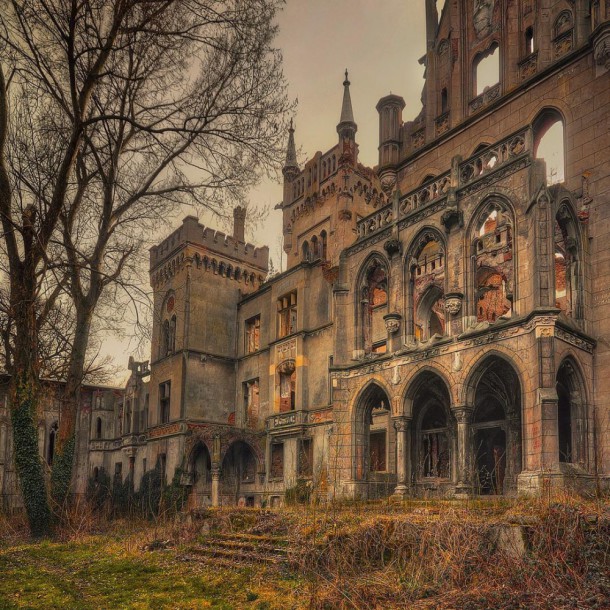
{"type": "Point", "coordinates": [201, 491]}
{"type": "Point", "coordinates": [238, 474]}
{"type": "Point", "coordinates": [373, 306]}
{"type": "Point", "coordinates": [433, 431]}
{"type": "Point", "coordinates": [496, 428]}
{"type": "Point", "coordinates": [571, 415]}
{"type": "Point", "coordinates": [372, 434]}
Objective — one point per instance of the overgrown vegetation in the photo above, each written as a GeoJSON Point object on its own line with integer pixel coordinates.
{"type": "Point", "coordinates": [486, 553]}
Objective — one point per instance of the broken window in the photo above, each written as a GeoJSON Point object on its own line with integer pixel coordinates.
{"type": "Point", "coordinates": [487, 70]}
{"type": "Point", "coordinates": [164, 401]}
{"type": "Point", "coordinates": [287, 314]}
{"type": "Point", "coordinates": [251, 401]}
{"type": "Point", "coordinates": [253, 331]}
{"type": "Point", "coordinates": [277, 461]}
{"type": "Point", "coordinates": [305, 463]}
{"type": "Point", "coordinates": [549, 144]}
{"type": "Point", "coordinates": [494, 264]}
{"type": "Point", "coordinates": [427, 302]}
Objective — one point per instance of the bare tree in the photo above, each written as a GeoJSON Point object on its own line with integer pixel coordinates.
{"type": "Point", "coordinates": [137, 105]}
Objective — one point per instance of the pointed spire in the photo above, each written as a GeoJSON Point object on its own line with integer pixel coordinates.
{"type": "Point", "coordinates": [347, 126]}
{"type": "Point", "coordinates": [291, 167]}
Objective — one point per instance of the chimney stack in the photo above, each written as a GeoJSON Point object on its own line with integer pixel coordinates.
{"type": "Point", "coordinates": [239, 223]}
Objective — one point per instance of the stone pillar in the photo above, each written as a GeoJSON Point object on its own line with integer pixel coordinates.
{"type": "Point", "coordinates": [463, 415]}
{"type": "Point", "coordinates": [401, 424]}
{"type": "Point", "coordinates": [215, 485]}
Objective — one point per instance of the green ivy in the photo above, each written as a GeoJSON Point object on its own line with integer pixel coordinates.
{"type": "Point", "coordinates": [27, 460]}
{"type": "Point", "coordinates": [61, 474]}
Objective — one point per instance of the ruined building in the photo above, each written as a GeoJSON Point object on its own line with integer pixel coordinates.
{"type": "Point", "coordinates": [443, 324]}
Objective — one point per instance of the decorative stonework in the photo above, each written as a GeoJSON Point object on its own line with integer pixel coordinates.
{"type": "Point", "coordinates": [393, 246]}
{"type": "Point", "coordinates": [392, 322]}
{"type": "Point", "coordinates": [418, 139]}
{"type": "Point", "coordinates": [388, 182]}
{"type": "Point", "coordinates": [482, 17]}
{"type": "Point", "coordinates": [453, 302]}
{"type": "Point", "coordinates": [601, 48]}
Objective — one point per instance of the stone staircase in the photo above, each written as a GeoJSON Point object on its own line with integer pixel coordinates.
{"type": "Point", "coordinates": [235, 550]}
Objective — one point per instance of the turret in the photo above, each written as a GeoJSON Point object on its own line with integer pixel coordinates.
{"type": "Point", "coordinates": [347, 126]}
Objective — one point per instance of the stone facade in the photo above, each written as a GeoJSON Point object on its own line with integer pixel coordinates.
{"type": "Point", "coordinates": [443, 324]}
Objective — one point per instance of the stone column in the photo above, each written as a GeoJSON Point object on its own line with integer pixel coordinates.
{"type": "Point", "coordinates": [215, 485]}
{"type": "Point", "coordinates": [401, 424]}
{"type": "Point", "coordinates": [463, 414]}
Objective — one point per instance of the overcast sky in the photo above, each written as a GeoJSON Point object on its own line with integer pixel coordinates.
{"type": "Point", "coordinates": [379, 42]}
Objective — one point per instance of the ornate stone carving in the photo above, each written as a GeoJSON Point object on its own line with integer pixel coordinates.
{"type": "Point", "coordinates": [392, 322]}
{"type": "Point", "coordinates": [453, 302]}
{"type": "Point", "coordinates": [601, 48]}
{"type": "Point", "coordinates": [388, 182]}
{"type": "Point", "coordinates": [393, 246]}
{"type": "Point", "coordinates": [452, 218]}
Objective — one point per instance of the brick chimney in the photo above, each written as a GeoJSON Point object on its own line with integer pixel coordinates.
{"type": "Point", "coordinates": [239, 223]}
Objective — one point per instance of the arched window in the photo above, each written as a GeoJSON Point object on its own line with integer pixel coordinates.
{"type": "Point", "coordinates": [568, 267]}
{"type": "Point", "coordinates": [286, 381]}
{"type": "Point", "coordinates": [444, 101]}
{"type": "Point", "coordinates": [324, 244]}
{"type": "Point", "coordinates": [315, 252]}
{"type": "Point", "coordinates": [98, 428]}
{"type": "Point", "coordinates": [571, 414]}
{"type": "Point", "coordinates": [549, 144]}
{"type": "Point", "coordinates": [306, 255]}
{"type": "Point", "coordinates": [493, 263]}
{"type": "Point", "coordinates": [426, 305]}
{"type": "Point", "coordinates": [373, 306]}
{"type": "Point", "coordinates": [52, 439]}
{"type": "Point", "coordinates": [487, 69]}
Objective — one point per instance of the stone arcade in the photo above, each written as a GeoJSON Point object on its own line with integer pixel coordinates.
{"type": "Point", "coordinates": [443, 325]}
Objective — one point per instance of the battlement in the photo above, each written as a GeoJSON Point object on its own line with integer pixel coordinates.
{"type": "Point", "coordinates": [192, 231]}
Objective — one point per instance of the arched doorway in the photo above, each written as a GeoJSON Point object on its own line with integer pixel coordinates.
{"type": "Point", "coordinates": [372, 437]}
{"type": "Point", "coordinates": [571, 415]}
{"type": "Point", "coordinates": [238, 475]}
{"type": "Point", "coordinates": [433, 432]}
{"type": "Point", "coordinates": [201, 467]}
{"type": "Point", "coordinates": [496, 428]}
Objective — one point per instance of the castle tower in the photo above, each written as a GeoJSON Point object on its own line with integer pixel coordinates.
{"type": "Point", "coordinates": [347, 127]}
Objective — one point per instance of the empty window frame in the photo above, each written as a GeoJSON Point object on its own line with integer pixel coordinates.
{"type": "Point", "coordinates": [253, 334]}
{"type": "Point", "coordinates": [287, 314]}
{"type": "Point", "coordinates": [165, 389]}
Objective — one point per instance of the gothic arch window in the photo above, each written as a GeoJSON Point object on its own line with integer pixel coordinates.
{"type": "Point", "coordinates": [98, 428]}
{"type": "Point", "coordinates": [571, 414]}
{"type": "Point", "coordinates": [426, 287]}
{"type": "Point", "coordinates": [444, 100]}
{"type": "Point", "coordinates": [486, 69]}
{"type": "Point", "coordinates": [371, 434]}
{"type": "Point", "coordinates": [171, 346]}
{"type": "Point", "coordinates": [315, 252]}
{"type": "Point", "coordinates": [373, 305]}
{"type": "Point", "coordinates": [495, 427]}
{"type": "Point", "coordinates": [492, 260]}
{"type": "Point", "coordinates": [563, 23]}
{"type": "Point", "coordinates": [306, 255]}
{"type": "Point", "coordinates": [164, 346]}
{"type": "Point", "coordinates": [568, 263]}
{"type": "Point", "coordinates": [549, 144]}
{"type": "Point", "coordinates": [433, 429]}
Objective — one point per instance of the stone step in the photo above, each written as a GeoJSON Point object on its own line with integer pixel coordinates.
{"type": "Point", "coordinates": [233, 555]}
{"type": "Point", "coordinates": [242, 546]}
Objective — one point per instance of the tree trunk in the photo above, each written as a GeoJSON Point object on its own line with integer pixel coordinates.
{"type": "Point", "coordinates": [66, 453]}
{"type": "Point", "coordinates": [24, 404]}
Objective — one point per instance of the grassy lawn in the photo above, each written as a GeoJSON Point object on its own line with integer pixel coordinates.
{"type": "Point", "coordinates": [107, 572]}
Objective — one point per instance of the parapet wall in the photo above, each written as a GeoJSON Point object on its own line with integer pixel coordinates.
{"type": "Point", "coordinates": [214, 241]}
